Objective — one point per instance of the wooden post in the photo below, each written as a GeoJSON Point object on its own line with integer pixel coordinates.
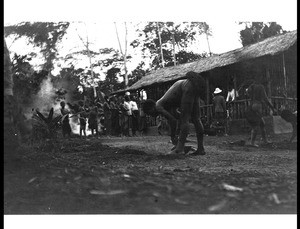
{"type": "Point", "coordinates": [235, 107]}
{"type": "Point", "coordinates": [285, 78]}
{"type": "Point", "coordinates": [207, 97]}
{"type": "Point", "coordinates": [269, 82]}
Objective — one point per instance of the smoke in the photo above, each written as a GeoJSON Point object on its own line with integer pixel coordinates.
{"type": "Point", "coordinates": [47, 98]}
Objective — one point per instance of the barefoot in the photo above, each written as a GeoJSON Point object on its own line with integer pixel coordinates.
{"type": "Point", "coordinates": [175, 152]}
{"type": "Point", "coordinates": [197, 152]}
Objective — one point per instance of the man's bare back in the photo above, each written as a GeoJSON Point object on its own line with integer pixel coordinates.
{"type": "Point", "coordinates": [185, 95]}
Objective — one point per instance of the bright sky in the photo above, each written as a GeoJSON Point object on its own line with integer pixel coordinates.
{"type": "Point", "coordinates": [99, 17]}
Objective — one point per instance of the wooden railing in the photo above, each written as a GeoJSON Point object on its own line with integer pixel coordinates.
{"type": "Point", "coordinates": [238, 108]}
{"type": "Point", "coordinates": [290, 103]}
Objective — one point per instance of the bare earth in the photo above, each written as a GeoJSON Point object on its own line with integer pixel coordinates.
{"type": "Point", "coordinates": [133, 176]}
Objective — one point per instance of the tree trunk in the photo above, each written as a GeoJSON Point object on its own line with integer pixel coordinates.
{"type": "Point", "coordinates": [160, 46]}
{"type": "Point", "coordinates": [123, 54]}
{"type": "Point", "coordinates": [173, 41]}
{"type": "Point", "coordinates": [90, 59]}
{"type": "Point", "coordinates": [10, 106]}
{"type": "Point", "coordinates": [208, 44]}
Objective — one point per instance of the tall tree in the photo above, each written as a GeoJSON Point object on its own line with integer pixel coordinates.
{"type": "Point", "coordinates": [258, 31]}
{"type": "Point", "coordinates": [207, 32]}
{"type": "Point", "coordinates": [179, 35]}
{"type": "Point", "coordinates": [45, 35]}
{"type": "Point", "coordinates": [160, 45]}
{"type": "Point", "coordinates": [10, 105]}
{"type": "Point", "coordinates": [87, 46]}
{"type": "Point", "coordinates": [124, 54]}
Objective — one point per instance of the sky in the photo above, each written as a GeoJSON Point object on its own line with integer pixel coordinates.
{"type": "Point", "coordinates": [98, 19]}
{"type": "Point", "coordinates": [222, 16]}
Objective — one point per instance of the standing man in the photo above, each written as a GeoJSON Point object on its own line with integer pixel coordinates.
{"type": "Point", "coordinates": [258, 97]}
{"type": "Point", "coordinates": [107, 115]}
{"type": "Point", "coordinates": [135, 115]}
{"type": "Point", "coordinates": [219, 108]}
{"type": "Point", "coordinates": [127, 116]}
{"type": "Point", "coordinates": [184, 94]}
{"type": "Point", "coordinates": [66, 128]}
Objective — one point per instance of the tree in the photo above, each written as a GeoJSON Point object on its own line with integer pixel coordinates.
{"type": "Point", "coordinates": [111, 82]}
{"type": "Point", "coordinates": [167, 38]}
{"type": "Point", "coordinates": [45, 35]}
{"type": "Point", "coordinates": [27, 81]}
{"type": "Point", "coordinates": [89, 54]}
{"type": "Point", "coordinates": [160, 45]}
{"type": "Point", "coordinates": [258, 31]}
{"type": "Point", "coordinates": [10, 105]}
{"type": "Point", "coordinates": [137, 73]}
{"type": "Point", "coordinates": [124, 54]}
{"type": "Point", "coordinates": [69, 81]}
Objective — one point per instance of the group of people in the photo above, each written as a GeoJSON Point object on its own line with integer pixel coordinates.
{"type": "Point", "coordinates": [123, 115]}
{"type": "Point", "coordinates": [181, 103]}
{"type": "Point", "coordinates": [113, 116]}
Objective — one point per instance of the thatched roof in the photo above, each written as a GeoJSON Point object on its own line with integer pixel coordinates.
{"type": "Point", "coordinates": [269, 46]}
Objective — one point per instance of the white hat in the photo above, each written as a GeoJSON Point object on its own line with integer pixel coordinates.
{"type": "Point", "coordinates": [217, 91]}
{"type": "Point", "coordinates": [127, 93]}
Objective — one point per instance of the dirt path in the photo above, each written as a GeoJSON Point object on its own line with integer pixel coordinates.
{"type": "Point", "coordinates": [132, 175]}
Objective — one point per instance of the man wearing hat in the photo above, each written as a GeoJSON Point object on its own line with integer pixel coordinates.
{"type": "Point", "coordinates": [219, 107]}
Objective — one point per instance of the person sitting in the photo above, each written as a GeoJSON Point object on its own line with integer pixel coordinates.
{"type": "Point", "coordinates": [183, 96]}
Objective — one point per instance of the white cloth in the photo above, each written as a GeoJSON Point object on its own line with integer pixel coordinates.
{"type": "Point", "coordinates": [231, 95]}
{"type": "Point", "coordinates": [128, 108]}
{"type": "Point", "coordinates": [133, 106]}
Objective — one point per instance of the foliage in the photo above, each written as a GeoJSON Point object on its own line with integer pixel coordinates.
{"type": "Point", "coordinates": [111, 82]}
{"type": "Point", "coordinates": [27, 82]}
{"type": "Point", "coordinates": [46, 127]}
{"type": "Point", "coordinates": [45, 35]}
{"type": "Point", "coordinates": [184, 34]}
{"type": "Point", "coordinates": [137, 74]}
{"type": "Point", "coordinates": [258, 31]}
{"type": "Point", "coordinates": [68, 81]}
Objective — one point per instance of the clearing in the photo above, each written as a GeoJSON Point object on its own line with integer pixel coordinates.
{"type": "Point", "coordinates": [132, 175]}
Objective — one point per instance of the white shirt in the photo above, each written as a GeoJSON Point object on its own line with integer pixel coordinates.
{"type": "Point", "coordinates": [127, 107]}
{"type": "Point", "coordinates": [133, 106]}
{"type": "Point", "coordinates": [231, 95]}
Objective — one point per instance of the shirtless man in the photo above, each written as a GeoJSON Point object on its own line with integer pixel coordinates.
{"type": "Point", "coordinates": [258, 97]}
{"type": "Point", "coordinates": [181, 102]}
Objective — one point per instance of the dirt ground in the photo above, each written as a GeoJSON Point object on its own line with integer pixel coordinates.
{"type": "Point", "coordinates": [133, 175]}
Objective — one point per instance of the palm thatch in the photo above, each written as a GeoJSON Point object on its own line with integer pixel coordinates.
{"type": "Point", "coordinates": [269, 46]}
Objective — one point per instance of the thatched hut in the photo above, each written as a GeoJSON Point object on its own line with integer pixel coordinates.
{"type": "Point", "coordinates": [273, 61]}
